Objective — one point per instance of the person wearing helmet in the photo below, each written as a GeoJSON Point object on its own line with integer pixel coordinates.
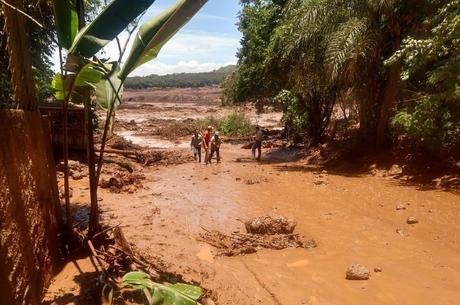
{"type": "Point", "coordinates": [206, 143]}
{"type": "Point", "coordinates": [216, 141]}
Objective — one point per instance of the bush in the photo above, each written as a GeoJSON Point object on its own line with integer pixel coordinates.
{"type": "Point", "coordinates": [201, 124]}
{"type": "Point", "coordinates": [236, 124]}
{"type": "Point", "coordinates": [233, 124]}
{"type": "Point", "coordinates": [433, 124]}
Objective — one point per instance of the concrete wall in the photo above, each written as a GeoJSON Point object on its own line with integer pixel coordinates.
{"type": "Point", "coordinates": [28, 208]}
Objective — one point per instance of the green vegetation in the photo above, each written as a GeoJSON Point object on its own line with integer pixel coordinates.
{"type": "Point", "coordinates": [232, 124]}
{"type": "Point", "coordinates": [311, 57]}
{"type": "Point", "coordinates": [41, 40]}
{"type": "Point", "coordinates": [432, 65]}
{"type": "Point", "coordinates": [236, 124]}
{"type": "Point", "coordinates": [155, 293]}
{"type": "Point", "coordinates": [180, 80]}
{"type": "Point", "coordinates": [180, 294]}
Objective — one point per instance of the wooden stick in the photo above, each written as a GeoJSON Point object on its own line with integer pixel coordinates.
{"type": "Point", "coordinates": [105, 231]}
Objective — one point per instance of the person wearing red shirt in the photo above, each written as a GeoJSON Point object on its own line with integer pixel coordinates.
{"type": "Point", "coordinates": [206, 143]}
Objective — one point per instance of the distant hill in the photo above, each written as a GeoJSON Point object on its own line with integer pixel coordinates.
{"type": "Point", "coordinates": [180, 80]}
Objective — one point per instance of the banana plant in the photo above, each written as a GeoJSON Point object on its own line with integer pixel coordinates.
{"type": "Point", "coordinates": [84, 76]}
{"type": "Point", "coordinates": [162, 294]}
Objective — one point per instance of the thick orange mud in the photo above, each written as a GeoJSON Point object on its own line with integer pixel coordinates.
{"type": "Point", "coordinates": [352, 217]}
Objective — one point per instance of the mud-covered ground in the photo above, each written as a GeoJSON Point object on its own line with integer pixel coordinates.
{"type": "Point", "coordinates": [356, 213]}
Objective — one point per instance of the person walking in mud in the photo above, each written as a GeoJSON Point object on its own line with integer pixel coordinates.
{"type": "Point", "coordinates": [206, 143]}
{"type": "Point", "coordinates": [195, 145]}
{"type": "Point", "coordinates": [257, 144]}
{"type": "Point", "coordinates": [216, 141]}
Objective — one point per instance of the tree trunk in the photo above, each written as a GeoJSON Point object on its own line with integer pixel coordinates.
{"type": "Point", "coordinates": [368, 100]}
{"type": "Point", "coordinates": [389, 101]}
{"type": "Point", "coordinates": [19, 56]}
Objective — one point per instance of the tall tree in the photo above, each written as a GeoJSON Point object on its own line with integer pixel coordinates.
{"type": "Point", "coordinates": [18, 46]}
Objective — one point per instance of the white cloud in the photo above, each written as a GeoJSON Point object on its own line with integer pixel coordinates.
{"type": "Point", "coordinates": [160, 68]}
{"type": "Point", "coordinates": [185, 52]}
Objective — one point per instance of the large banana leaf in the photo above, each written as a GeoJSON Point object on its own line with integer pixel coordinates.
{"type": "Point", "coordinates": [177, 294]}
{"type": "Point", "coordinates": [107, 25]}
{"type": "Point", "coordinates": [80, 84]}
{"type": "Point", "coordinates": [66, 22]}
{"type": "Point", "coordinates": [106, 89]}
{"type": "Point", "coordinates": [153, 34]}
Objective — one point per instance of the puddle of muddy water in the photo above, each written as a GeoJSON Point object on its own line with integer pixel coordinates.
{"type": "Point", "coordinates": [205, 253]}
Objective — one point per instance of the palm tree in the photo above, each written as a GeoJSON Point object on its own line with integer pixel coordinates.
{"type": "Point", "coordinates": [372, 32]}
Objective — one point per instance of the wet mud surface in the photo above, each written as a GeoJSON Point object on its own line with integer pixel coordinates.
{"type": "Point", "coordinates": [353, 218]}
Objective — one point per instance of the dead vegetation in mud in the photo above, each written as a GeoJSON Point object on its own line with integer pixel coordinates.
{"type": "Point", "coordinates": [162, 157]}
{"type": "Point", "coordinates": [111, 257]}
{"type": "Point", "coordinates": [266, 232]}
{"type": "Point", "coordinates": [117, 142]}
{"type": "Point", "coordinates": [144, 156]}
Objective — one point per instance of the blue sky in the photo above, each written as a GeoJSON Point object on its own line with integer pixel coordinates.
{"type": "Point", "coordinates": [209, 41]}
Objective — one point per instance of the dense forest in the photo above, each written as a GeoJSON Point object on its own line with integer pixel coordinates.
{"type": "Point", "coordinates": [387, 68]}
{"type": "Point", "coordinates": [180, 80]}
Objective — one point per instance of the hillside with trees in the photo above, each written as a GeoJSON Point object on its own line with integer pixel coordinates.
{"type": "Point", "coordinates": [389, 65]}
{"type": "Point", "coordinates": [180, 80]}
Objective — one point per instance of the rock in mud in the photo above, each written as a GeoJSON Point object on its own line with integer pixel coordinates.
{"type": "Point", "coordinates": [76, 175]}
{"type": "Point", "coordinates": [412, 220]}
{"type": "Point", "coordinates": [111, 182]}
{"type": "Point", "coordinates": [377, 269]}
{"type": "Point", "coordinates": [268, 225]}
{"type": "Point", "coordinates": [251, 182]}
{"type": "Point", "coordinates": [357, 272]}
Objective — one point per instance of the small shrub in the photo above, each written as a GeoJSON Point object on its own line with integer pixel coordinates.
{"type": "Point", "coordinates": [233, 124]}
{"type": "Point", "coordinates": [236, 124]}
{"type": "Point", "coordinates": [201, 124]}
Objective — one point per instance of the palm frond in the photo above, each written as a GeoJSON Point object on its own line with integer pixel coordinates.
{"type": "Point", "coordinates": [353, 42]}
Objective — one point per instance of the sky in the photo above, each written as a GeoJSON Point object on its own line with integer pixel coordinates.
{"type": "Point", "coordinates": [209, 41]}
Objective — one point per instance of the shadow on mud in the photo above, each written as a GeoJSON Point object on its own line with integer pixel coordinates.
{"type": "Point", "coordinates": [89, 291]}
{"type": "Point", "coordinates": [416, 171]}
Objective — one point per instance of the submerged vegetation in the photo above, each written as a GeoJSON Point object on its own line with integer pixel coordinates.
{"type": "Point", "coordinates": [395, 62]}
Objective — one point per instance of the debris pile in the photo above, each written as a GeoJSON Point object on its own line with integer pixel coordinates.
{"type": "Point", "coordinates": [268, 225]}
{"type": "Point", "coordinates": [77, 170]}
{"type": "Point", "coordinates": [121, 143]}
{"type": "Point", "coordinates": [162, 157]}
{"type": "Point", "coordinates": [265, 232]}
{"type": "Point", "coordinates": [122, 182]}
{"type": "Point", "coordinates": [172, 129]}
